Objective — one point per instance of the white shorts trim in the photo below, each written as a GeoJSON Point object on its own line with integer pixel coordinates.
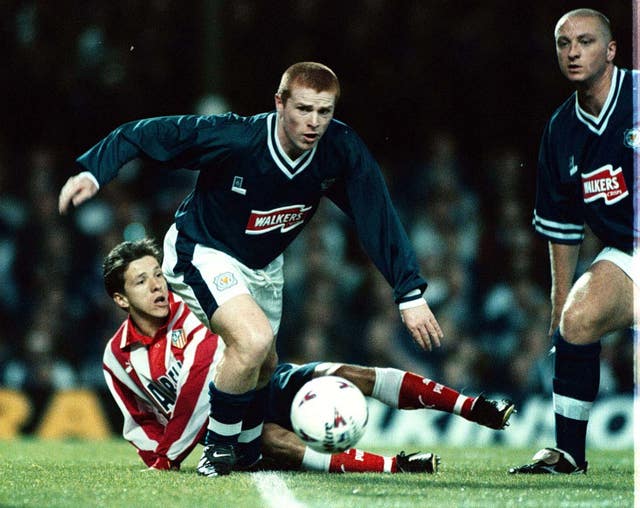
{"type": "Point", "coordinates": [627, 263]}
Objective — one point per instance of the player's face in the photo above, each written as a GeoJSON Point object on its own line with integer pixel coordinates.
{"type": "Point", "coordinates": [583, 49]}
{"type": "Point", "coordinates": [303, 119]}
{"type": "Point", "coordinates": [145, 292]}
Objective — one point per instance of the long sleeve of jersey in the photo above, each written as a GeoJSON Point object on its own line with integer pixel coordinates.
{"type": "Point", "coordinates": [162, 139]}
{"type": "Point", "coordinates": [365, 199]}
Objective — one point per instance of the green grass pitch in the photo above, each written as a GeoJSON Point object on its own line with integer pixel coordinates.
{"type": "Point", "coordinates": [38, 473]}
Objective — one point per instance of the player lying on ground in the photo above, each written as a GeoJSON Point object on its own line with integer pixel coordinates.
{"type": "Point", "coordinates": [159, 362]}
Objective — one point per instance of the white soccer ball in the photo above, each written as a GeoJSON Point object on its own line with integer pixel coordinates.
{"type": "Point", "coordinates": [329, 414]}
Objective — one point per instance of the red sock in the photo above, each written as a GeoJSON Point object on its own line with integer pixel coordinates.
{"type": "Point", "coordinates": [417, 392]}
{"type": "Point", "coordinates": [355, 460]}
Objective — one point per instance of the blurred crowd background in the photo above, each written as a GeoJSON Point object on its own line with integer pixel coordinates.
{"type": "Point", "coordinates": [451, 97]}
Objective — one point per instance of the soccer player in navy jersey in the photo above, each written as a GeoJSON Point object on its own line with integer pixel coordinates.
{"type": "Point", "coordinates": [586, 176]}
{"type": "Point", "coordinates": [158, 362]}
{"type": "Point", "coordinates": [260, 181]}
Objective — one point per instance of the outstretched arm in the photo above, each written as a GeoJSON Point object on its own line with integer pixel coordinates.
{"type": "Point", "coordinates": [365, 198]}
{"type": "Point", "coordinates": [162, 139]}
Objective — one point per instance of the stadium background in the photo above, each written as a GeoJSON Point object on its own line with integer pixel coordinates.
{"type": "Point", "coordinates": [451, 97]}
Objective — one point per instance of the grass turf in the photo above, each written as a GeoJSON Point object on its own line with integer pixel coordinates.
{"type": "Point", "coordinates": [109, 474]}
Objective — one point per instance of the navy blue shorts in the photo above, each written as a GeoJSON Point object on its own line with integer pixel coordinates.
{"type": "Point", "coordinates": [285, 382]}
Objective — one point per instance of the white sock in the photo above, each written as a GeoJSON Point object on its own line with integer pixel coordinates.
{"type": "Point", "coordinates": [315, 461]}
{"type": "Point", "coordinates": [387, 386]}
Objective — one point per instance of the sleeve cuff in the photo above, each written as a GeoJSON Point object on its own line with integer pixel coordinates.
{"type": "Point", "coordinates": [412, 303]}
{"type": "Point", "coordinates": [411, 299]}
{"type": "Point", "coordinates": [89, 175]}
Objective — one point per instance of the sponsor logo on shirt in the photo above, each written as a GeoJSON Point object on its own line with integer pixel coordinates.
{"type": "Point", "coordinates": [164, 389]}
{"type": "Point", "coordinates": [604, 183]}
{"type": "Point", "coordinates": [225, 280]}
{"type": "Point", "coordinates": [285, 218]}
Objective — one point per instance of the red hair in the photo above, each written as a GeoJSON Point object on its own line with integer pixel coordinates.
{"type": "Point", "coordinates": [311, 75]}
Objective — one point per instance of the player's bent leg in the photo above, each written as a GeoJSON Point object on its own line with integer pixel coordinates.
{"type": "Point", "coordinates": [600, 301]}
{"type": "Point", "coordinates": [249, 441]}
{"type": "Point", "coordinates": [248, 337]}
{"type": "Point", "coordinates": [282, 449]}
{"type": "Point", "coordinates": [406, 390]}
{"type": "Point", "coordinates": [363, 377]}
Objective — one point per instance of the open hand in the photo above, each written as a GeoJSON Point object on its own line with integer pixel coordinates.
{"type": "Point", "coordinates": [77, 190]}
{"type": "Point", "coordinates": [422, 326]}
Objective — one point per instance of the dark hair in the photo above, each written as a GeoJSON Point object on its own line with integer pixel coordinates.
{"type": "Point", "coordinates": [118, 260]}
{"type": "Point", "coordinates": [309, 74]}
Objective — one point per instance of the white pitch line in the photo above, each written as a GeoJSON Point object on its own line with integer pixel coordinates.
{"type": "Point", "coordinates": [274, 491]}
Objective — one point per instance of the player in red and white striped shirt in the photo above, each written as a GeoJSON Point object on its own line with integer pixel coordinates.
{"type": "Point", "coordinates": [159, 363]}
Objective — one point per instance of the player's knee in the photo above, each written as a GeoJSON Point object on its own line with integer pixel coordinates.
{"type": "Point", "coordinates": [579, 325]}
{"type": "Point", "coordinates": [257, 343]}
{"type": "Point", "coordinates": [250, 353]}
{"type": "Point", "coordinates": [263, 346]}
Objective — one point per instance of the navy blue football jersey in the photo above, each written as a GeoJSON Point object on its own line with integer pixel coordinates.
{"type": "Point", "coordinates": [251, 200]}
{"type": "Point", "coordinates": [586, 169]}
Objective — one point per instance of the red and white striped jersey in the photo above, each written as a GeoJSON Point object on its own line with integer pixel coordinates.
{"type": "Point", "coordinates": [161, 383]}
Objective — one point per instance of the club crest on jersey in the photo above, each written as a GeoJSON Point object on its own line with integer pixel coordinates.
{"type": "Point", "coordinates": [285, 218]}
{"type": "Point", "coordinates": [178, 338]}
{"type": "Point", "coordinates": [632, 138]}
{"type": "Point", "coordinates": [326, 184]}
{"type": "Point", "coordinates": [604, 183]}
{"type": "Point", "coordinates": [225, 281]}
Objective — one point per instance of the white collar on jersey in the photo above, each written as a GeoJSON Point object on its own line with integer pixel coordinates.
{"type": "Point", "coordinates": [599, 124]}
{"type": "Point", "coordinates": [289, 167]}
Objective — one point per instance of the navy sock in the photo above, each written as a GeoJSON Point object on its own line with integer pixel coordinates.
{"type": "Point", "coordinates": [575, 387]}
{"type": "Point", "coordinates": [249, 442]}
{"type": "Point", "coordinates": [225, 418]}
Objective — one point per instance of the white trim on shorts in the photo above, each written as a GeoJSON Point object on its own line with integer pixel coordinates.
{"type": "Point", "coordinates": [629, 264]}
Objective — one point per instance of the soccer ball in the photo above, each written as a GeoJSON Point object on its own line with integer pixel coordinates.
{"type": "Point", "coordinates": [329, 414]}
